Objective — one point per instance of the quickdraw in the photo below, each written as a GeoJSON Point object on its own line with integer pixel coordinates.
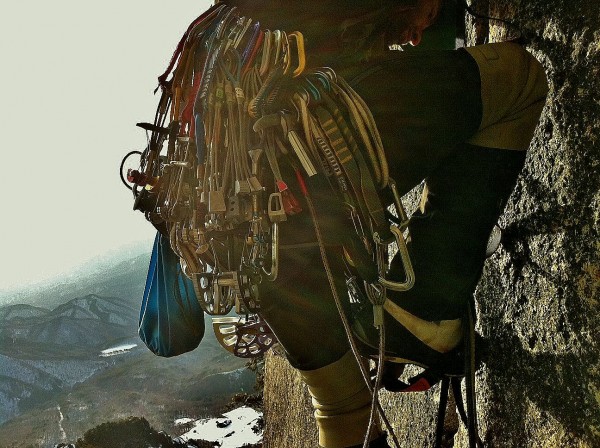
{"type": "Point", "coordinates": [239, 103]}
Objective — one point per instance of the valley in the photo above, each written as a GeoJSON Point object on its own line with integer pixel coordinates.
{"type": "Point", "coordinates": [81, 363]}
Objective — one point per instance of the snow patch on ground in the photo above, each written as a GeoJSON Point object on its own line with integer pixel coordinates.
{"type": "Point", "coordinates": [243, 428]}
{"type": "Point", "coordinates": [183, 421]}
{"type": "Point", "coordinates": [63, 434]}
{"type": "Point", "coordinates": [117, 350]}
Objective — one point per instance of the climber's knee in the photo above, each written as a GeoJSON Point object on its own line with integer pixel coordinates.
{"type": "Point", "coordinates": [513, 93]}
{"type": "Point", "coordinates": [342, 402]}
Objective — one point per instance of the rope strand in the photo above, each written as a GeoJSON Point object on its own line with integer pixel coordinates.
{"type": "Point", "coordinates": [349, 335]}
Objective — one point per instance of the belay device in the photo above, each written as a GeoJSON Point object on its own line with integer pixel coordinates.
{"type": "Point", "coordinates": [238, 112]}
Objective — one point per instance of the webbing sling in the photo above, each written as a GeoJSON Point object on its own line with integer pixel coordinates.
{"type": "Point", "coordinates": [345, 145]}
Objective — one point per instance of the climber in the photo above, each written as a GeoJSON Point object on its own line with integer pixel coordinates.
{"type": "Point", "coordinates": [461, 120]}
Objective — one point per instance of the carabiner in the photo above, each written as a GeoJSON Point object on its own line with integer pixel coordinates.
{"type": "Point", "coordinates": [299, 38]}
{"type": "Point", "coordinates": [265, 63]}
{"type": "Point", "coordinates": [398, 205]}
{"type": "Point", "coordinates": [278, 36]}
{"type": "Point", "coordinates": [312, 90]}
{"type": "Point", "coordinates": [323, 79]}
{"type": "Point", "coordinates": [243, 30]}
{"type": "Point", "coordinates": [406, 263]}
{"type": "Point", "coordinates": [252, 42]}
{"type": "Point", "coordinates": [272, 276]}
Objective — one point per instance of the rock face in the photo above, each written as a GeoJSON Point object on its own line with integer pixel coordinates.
{"type": "Point", "coordinates": [537, 302]}
{"type": "Point", "coordinates": [289, 421]}
{"type": "Point", "coordinates": [538, 296]}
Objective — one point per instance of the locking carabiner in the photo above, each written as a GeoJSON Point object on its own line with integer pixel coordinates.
{"type": "Point", "coordinates": [406, 263]}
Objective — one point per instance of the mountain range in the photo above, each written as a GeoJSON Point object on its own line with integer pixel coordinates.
{"type": "Point", "coordinates": [120, 273]}
{"type": "Point", "coordinates": [70, 361]}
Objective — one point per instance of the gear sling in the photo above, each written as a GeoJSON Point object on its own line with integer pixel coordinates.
{"type": "Point", "coordinates": [237, 116]}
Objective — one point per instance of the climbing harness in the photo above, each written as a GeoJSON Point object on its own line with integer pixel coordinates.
{"type": "Point", "coordinates": [238, 113]}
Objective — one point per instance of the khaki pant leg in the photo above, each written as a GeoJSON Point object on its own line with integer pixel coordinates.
{"type": "Point", "coordinates": [513, 93]}
{"type": "Point", "coordinates": [342, 402]}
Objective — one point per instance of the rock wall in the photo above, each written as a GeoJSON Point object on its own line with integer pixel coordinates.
{"type": "Point", "coordinates": [288, 413]}
{"type": "Point", "coordinates": [537, 302]}
{"type": "Point", "coordinates": [538, 298]}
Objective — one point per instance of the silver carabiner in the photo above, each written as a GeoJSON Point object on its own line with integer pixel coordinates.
{"type": "Point", "coordinates": [398, 204]}
{"type": "Point", "coordinates": [272, 276]}
{"type": "Point", "coordinates": [406, 263]}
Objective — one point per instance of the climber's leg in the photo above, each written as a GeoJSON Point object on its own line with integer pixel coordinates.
{"type": "Point", "coordinates": [342, 403]}
{"type": "Point", "coordinates": [461, 204]}
{"type": "Point", "coordinates": [466, 194]}
{"type": "Point", "coordinates": [513, 93]}
{"type": "Point", "coordinates": [467, 184]}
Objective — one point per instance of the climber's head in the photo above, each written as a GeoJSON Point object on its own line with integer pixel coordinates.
{"type": "Point", "coordinates": [407, 23]}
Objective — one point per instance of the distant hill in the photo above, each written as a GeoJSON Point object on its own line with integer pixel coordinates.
{"type": "Point", "coordinates": [120, 273]}
{"type": "Point", "coordinates": [45, 351]}
{"type": "Point", "coordinates": [22, 311]}
{"type": "Point", "coordinates": [71, 329]}
{"type": "Point", "coordinates": [55, 382]}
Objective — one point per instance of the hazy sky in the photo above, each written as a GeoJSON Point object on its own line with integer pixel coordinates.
{"type": "Point", "coordinates": [75, 78]}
